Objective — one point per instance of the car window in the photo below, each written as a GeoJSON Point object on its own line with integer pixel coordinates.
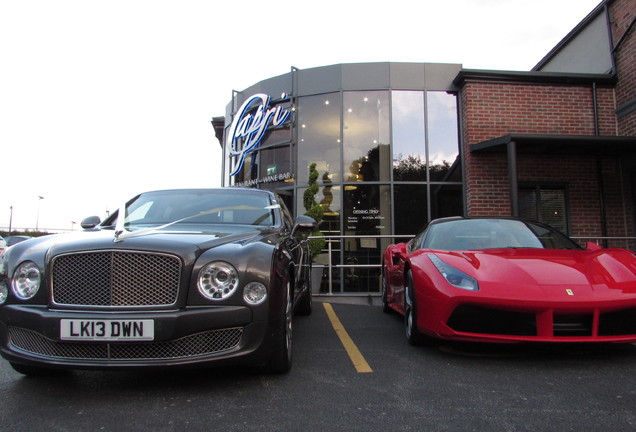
{"type": "Point", "coordinates": [472, 234]}
{"type": "Point", "coordinates": [200, 207]}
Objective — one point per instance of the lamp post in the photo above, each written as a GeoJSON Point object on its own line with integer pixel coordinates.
{"type": "Point", "coordinates": [37, 220]}
{"type": "Point", "coordinates": [10, 218]}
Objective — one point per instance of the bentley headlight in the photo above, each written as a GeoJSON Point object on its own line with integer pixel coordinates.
{"type": "Point", "coordinates": [453, 276]}
{"type": "Point", "coordinates": [217, 280]}
{"type": "Point", "coordinates": [26, 280]}
{"type": "Point", "coordinates": [254, 293]}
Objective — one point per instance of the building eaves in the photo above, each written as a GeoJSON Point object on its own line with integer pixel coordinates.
{"type": "Point", "coordinates": [559, 144]}
{"type": "Point", "coordinates": [466, 75]}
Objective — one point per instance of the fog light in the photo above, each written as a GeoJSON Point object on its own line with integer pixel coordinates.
{"type": "Point", "coordinates": [4, 292]}
{"type": "Point", "coordinates": [254, 293]}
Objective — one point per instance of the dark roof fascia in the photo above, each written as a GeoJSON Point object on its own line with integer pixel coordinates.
{"type": "Point", "coordinates": [532, 77]}
{"type": "Point", "coordinates": [559, 144]}
{"type": "Point", "coordinates": [218, 123]}
{"type": "Point", "coordinates": [572, 34]}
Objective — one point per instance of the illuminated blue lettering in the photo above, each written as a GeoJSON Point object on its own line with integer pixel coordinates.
{"type": "Point", "coordinates": [247, 129]}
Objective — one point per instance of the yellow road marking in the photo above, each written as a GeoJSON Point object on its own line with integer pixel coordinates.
{"type": "Point", "coordinates": [354, 353]}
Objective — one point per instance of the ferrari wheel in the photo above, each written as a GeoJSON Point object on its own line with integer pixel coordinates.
{"type": "Point", "coordinates": [385, 301]}
{"type": "Point", "coordinates": [281, 359]}
{"type": "Point", "coordinates": [413, 335]}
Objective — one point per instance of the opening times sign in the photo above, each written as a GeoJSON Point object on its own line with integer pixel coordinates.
{"type": "Point", "coordinates": [365, 219]}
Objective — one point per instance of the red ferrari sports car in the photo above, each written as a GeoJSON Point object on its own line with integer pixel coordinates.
{"type": "Point", "coordinates": [508, 280]}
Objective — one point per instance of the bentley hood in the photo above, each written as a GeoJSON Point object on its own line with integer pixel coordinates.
{"type": "Point", "coordinates": [186, 243]}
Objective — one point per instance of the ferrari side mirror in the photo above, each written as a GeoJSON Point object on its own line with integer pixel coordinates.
{"type": "Point", "coordinates": [592, 247]}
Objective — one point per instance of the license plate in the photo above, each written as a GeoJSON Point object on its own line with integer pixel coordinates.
{"type": "Point", "coordinates": [106, 330]}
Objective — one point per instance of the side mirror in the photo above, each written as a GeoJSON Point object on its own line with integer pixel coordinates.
{"type": "Point", "coordinates": [91, 222]}
{"type": "Point", "coordinates": [304, 223]}
{"type": "Point", "coordinates": [592, 247]}
{"type": "Point", "coordinates": [398, 253]}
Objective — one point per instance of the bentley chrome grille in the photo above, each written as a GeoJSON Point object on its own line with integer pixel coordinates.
{"type": "Point", "coordinates": [199, 344]}
{"type": "Point", "coordinates": [115, 279]}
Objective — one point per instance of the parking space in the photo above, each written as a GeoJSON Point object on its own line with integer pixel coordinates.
{"type": "Point", "coordinates": [451, 387]}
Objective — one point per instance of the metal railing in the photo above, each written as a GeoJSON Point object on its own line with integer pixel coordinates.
{"type": "Point", "coordinates": [619, 242]}
{"type": "Point", "coordinates": [331, 239]}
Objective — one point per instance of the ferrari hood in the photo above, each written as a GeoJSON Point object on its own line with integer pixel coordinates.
{"type": "Point", "coordinates": [569, 272]}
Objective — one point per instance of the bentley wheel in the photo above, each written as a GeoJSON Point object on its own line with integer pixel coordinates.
{"type": "Point", "coordinates": [306, 302]}
{"type": "Point", "coordinates": [281, 359]}
{"type": "Point", "coordinates": [413, 335]}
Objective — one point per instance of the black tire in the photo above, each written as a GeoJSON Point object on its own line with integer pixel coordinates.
{"type": "Point", "coordinates": [281, 359]}
{"type": "Point", "coordinates": [413, 335]}
{"type": "Point", "coordinates": [305, 305]}
{"type": "Point", "coordinates": [385, 301]}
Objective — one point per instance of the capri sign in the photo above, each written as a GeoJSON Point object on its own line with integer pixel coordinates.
{"type": "Point", "coordinates": [249, 126]}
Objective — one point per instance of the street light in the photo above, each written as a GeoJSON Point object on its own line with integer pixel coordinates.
{"type": "Point", "coordinates": [37, 220]}
{"type": "Point", "coordinates": [10, 218]}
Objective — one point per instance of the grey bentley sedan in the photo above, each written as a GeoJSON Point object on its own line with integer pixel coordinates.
{"type": "Point", "coordinates": [173, 278]}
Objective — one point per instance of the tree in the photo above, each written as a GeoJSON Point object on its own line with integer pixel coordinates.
{"type": "Point", "coordinates": [314, 210]}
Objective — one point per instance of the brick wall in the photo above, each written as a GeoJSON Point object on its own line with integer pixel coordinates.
{"type": "Point", "coordinates": [493, 109]}
{"type": "Point", "coordinates": [622, 13]}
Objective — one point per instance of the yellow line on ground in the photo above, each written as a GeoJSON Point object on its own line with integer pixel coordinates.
{"type": "Point", "coordinates": [354, 353]}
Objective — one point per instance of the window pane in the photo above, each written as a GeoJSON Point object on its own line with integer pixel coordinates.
{"type": "Point", "coordinates": [319, 136]}
{"type": "Point", "coordinates": [367, 210]}
{"type": "Point", "coordinates": [275, 163]}
{"type": "Point", "coordinates": [546, 204]}
{"type": "Point", "coordinates": [443, 138]}
{"type": "Point", "coordinates": [553, 208]}
{"type": "Point", "coordinates": [409, 142]}
{"type": "Point", "coordinates": [366, 136]}
{"type": "Point", "coordinates": [329, 198]}
{"type": "Point", "coordinates": [528, 204]}
{"type": "Point", "coordinates": [410, 208]}
{"type": "Point", "coordinates": [446, 200]}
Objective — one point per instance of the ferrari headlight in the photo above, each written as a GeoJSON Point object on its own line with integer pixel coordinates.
{"type": "Point", "coordinates": [254, 293]}
{"type": "Point", "coordinates": [26, 280]}
{"type": "Point", "coordinates": [453, 276]}
{"type": "Point", "coordinates": [217, 280]}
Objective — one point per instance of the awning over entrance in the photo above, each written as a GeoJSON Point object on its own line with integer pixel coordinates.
{"type": "Point", "coordinates": [513, 144]}
{"type": "Point", "coordinates": [559, 144]}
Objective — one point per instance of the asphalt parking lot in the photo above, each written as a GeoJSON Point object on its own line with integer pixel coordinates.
{"type": "Point", "coordinates": [454, 387]}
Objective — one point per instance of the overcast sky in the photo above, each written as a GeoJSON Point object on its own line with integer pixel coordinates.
{"type": "Point", "coordinates": [102, 100]}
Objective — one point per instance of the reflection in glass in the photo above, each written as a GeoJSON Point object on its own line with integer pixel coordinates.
{"type": "Point", "coordinates": [319, 136]}
{"type": "Point", "coordinates": [329, 197]}
{"type": "Point", "coordinates": [410, 208]}
{"type": "Point", "coordinates": [443, 138]}
{"type": "Point", "coordinates": [367, 210]}
{"type": "Point", "coordinates": [409, 139]}
{"type": "Point", "coordinates": [366, 136]}
{"type": "Point", "coordinates": [275, 161]}
{"type": "Point", "coordinates": [446, 200]}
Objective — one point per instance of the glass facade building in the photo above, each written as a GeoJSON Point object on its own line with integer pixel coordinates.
{"type": "Point", "coordinates": [377, 145]}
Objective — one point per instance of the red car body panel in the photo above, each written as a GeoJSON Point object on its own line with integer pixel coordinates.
{"type": "Point", "coordinates": [542, 295]}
